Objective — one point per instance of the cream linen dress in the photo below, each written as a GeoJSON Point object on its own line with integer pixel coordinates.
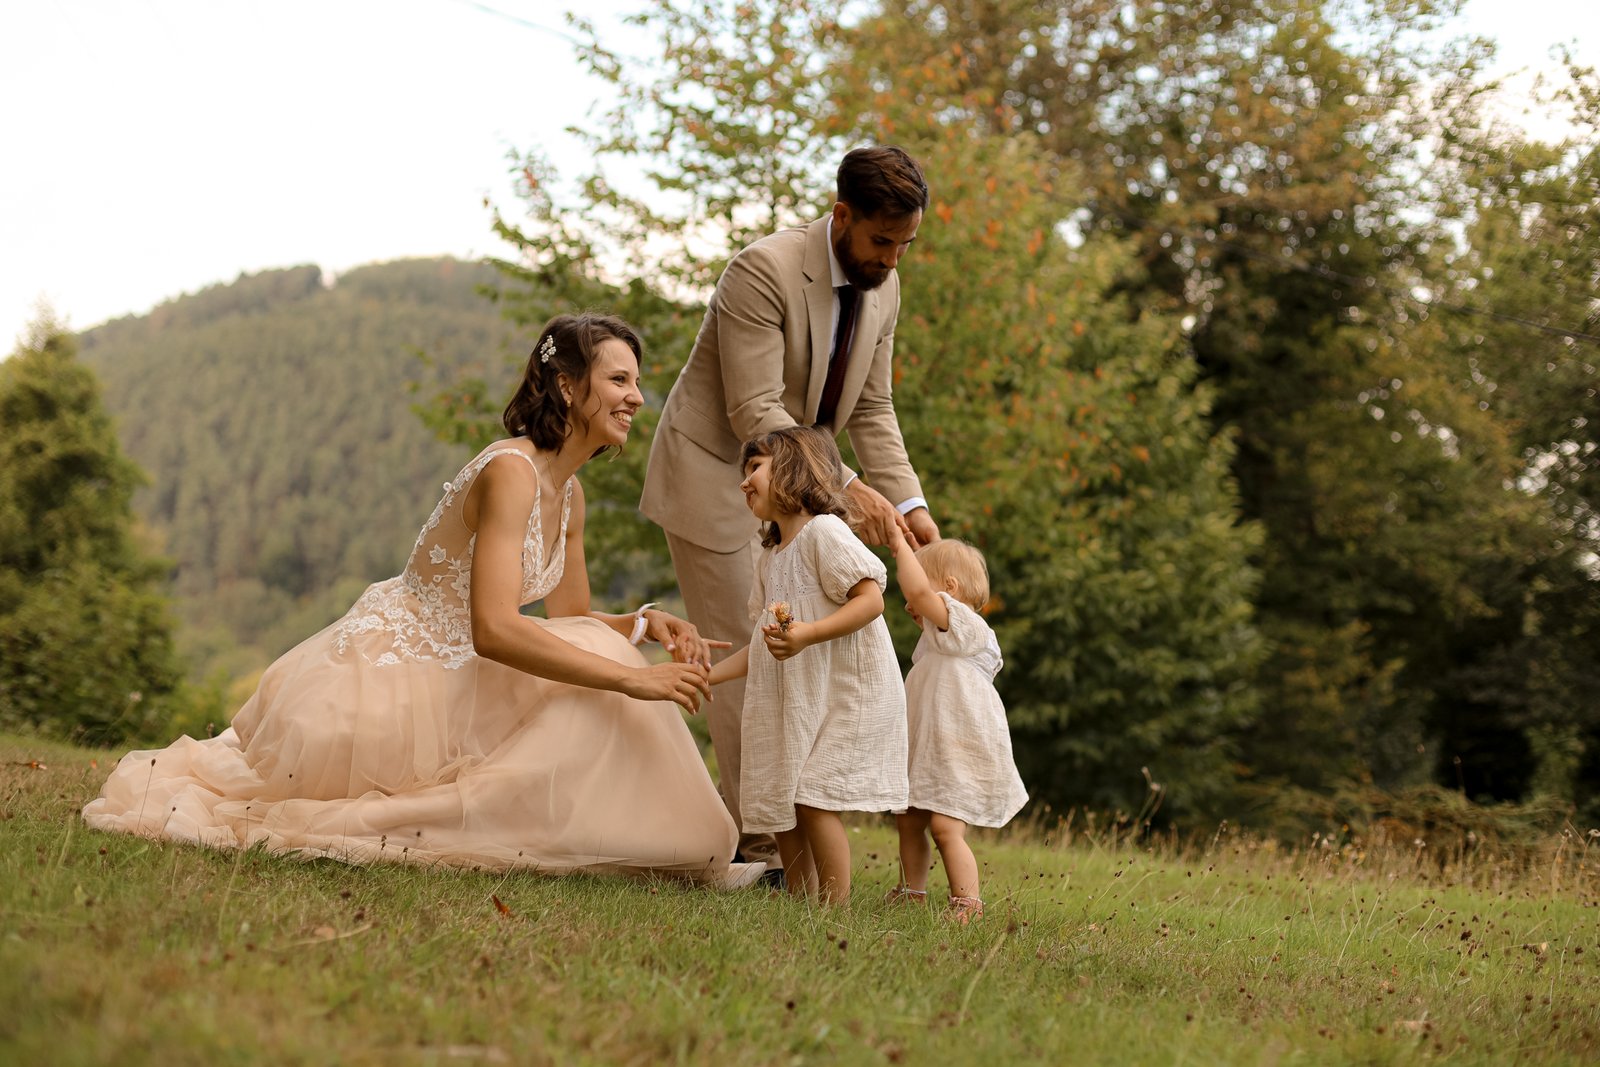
{"type": "Point", "coordinates": [825, 728]}
{"type": "Point", "coordinates": [385, 737]}
{"type": "Point", "coordinates": [961, 763]}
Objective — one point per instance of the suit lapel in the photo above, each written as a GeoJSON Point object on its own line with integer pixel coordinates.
{"type": "Point", "coordinates": [819, 310]}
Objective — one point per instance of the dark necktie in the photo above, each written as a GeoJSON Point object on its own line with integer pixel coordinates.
{"type": "Point", "coordinates": [840, 359]}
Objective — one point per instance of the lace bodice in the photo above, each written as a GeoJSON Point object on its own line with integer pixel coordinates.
{"type": "Point", "coordinates": [425, 612]}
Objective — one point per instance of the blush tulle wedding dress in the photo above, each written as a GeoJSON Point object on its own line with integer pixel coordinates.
{"type": "Point", "coordinates": [386, 738]}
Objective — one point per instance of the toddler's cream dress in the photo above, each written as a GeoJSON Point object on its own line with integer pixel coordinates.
{"type": "Point", "coordinates": [961, 762]}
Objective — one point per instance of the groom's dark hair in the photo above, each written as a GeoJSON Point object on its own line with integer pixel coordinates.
{"type": "Point", "coordinates": [882, 180]}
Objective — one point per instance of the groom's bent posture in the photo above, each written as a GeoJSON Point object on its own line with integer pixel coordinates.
{"type": "Point", "coordinates": [800, 331]}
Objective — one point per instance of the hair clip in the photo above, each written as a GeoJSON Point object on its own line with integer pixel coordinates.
{"type": "Point", "coordinates": [547, 348]}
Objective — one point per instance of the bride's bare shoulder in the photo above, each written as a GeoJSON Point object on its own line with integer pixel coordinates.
{"type": "Point", "coordinates": [500, 468]}
{"type": "Point", "coordinates": [520, 444]}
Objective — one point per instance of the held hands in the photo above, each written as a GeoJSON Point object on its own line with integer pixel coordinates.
{"type": "Point", "coordinates": [685, 680]}
{"type": "Point", "coordinates": [681, 638]}
{"type": "Point", "coordinates": [682, 683]}
{"type": "Point", "coordinates": [898, 542]}
{"type": "Point", "coordinates": [877, 516]}
{"type": "Point", "coordinates": [924, 531]}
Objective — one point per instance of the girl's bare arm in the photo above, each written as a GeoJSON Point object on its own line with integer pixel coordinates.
{"type": "Point", "coordinates": [862, 604]}
{"type": "Point", "coordinates": [921, 597]}
{"type": "Point", "coordinates": [735, 666]}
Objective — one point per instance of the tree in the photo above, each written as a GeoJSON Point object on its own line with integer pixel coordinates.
{"type": "Point", "coordinates": [1061, 431]}
{"type": "Point", "coordinates": [1272, 161]}
{"type": "Point", "coordinates": [1524, 680]}
{"type": "Point", "coordinates": [85, 638]}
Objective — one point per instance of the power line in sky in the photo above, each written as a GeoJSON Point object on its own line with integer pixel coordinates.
{"type": "Point", "coordinates": [520, 21]}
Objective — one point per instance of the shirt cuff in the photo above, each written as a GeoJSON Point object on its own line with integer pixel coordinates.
{"type": "Point", "coordinates": [849, 476]}
{"type": "Point", "coordinates": [907, 506]}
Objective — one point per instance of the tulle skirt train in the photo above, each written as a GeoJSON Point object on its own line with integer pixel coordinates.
{"type": "Point", "coordinates": [477, 766]}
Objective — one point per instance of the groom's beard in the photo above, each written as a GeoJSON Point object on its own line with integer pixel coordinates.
{"type": "Point", "coordinates": [858, 274]}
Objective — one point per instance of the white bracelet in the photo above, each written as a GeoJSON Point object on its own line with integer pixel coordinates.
{"type": "Point", "coordinates": [640, 625]}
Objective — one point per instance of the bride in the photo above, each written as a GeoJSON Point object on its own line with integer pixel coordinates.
{"type": "Point", "coordinates": [437, 724]}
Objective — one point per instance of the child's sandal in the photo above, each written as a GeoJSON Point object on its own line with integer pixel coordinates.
{"type": "Point", "coordinates": [901, 894]}
{"type": "Point", "coordinates": [964, 909]}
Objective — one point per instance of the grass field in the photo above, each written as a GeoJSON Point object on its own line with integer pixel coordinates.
{"type": "Point", "coordinates": [1094, 950]}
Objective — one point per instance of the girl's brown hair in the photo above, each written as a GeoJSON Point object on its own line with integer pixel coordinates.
{"type": "Point", "coordinates": [806, 474]}
{"type": "Point", "coordinates": [537, 410]}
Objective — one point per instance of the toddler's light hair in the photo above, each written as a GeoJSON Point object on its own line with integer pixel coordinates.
{"type": "Point", "coordinates": [950, 558]}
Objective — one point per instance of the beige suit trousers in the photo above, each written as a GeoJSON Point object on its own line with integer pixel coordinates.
{"type": "Point", "coordinates": [716, 595]}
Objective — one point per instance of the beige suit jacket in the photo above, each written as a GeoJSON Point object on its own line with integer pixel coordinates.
{"type": "Point", "coordinates": [759, 364]}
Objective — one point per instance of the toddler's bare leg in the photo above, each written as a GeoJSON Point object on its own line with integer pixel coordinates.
{"type": "Point", "coordinates": [830, 847]}
{"type": "Point", "coordinates": [916, 854]}
{"type": "Point", "coordinates": [960, 866]}
{"type": "Point", "coordinates": [799, 870]}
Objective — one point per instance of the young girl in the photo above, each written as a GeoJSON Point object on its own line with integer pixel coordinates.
{"type": "Point", "coordinates": [824, 710]}
{"type": "Point", "coordinates": [961, 770]}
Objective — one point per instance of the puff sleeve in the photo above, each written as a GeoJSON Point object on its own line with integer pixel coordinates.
{"type": "Point", "coordinates": [841, 560]}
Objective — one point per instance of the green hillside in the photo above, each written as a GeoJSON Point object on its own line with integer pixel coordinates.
{"type": "Point", "coordinates": [274, 418]}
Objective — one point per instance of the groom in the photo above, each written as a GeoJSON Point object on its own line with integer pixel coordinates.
{"type": "Point", "coordinates": [800, 331]}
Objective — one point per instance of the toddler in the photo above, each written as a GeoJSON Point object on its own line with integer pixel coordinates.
{"type": "Point", "coordinates": [961, 769]}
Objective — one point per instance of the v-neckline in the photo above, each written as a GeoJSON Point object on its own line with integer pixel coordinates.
{"type": "Point", "coordinates": [536, 520]}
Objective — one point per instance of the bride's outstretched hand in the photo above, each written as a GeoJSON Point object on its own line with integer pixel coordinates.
{"type": "Point", "coordinates": [681, 638]}
{"type": "Point", "coordinates": [682, 683]}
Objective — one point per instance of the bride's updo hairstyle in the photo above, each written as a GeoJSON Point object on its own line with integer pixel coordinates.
{"type": "Point", "coordinates": [567, 345]}
{"type": "Point", "coordinates": [806, 474]}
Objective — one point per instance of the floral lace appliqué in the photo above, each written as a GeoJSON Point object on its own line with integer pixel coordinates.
{"type": "Point", "coordinates": [425, 612]}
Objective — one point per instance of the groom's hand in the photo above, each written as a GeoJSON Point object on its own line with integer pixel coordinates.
{"type": "Point", "coordinates": [877, 516]}
{"type": "Point", "coordinates": [924, 531]}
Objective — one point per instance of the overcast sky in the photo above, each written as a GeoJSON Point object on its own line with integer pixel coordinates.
{"type": "Point", "coordinates": [154, 147]}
